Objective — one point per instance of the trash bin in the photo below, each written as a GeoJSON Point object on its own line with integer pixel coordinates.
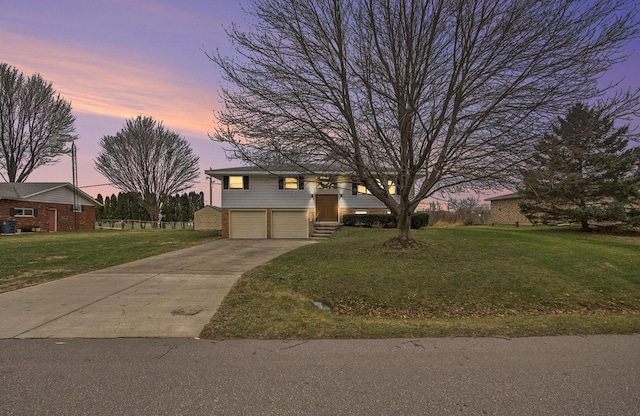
{"type": "Point", "coordinates": [9, 226]}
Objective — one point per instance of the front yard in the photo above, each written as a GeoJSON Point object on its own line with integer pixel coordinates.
{"type": "Point", "coordinates": [467, 281]}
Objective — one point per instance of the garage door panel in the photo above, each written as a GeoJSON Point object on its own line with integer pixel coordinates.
{"type": "Point", "coordinates": [289, 224]}
{"type": "Point", "coordinates": [248, 224]}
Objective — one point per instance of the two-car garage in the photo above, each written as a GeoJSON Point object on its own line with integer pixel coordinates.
{"type": "Point", "coordinates": [254, 223]}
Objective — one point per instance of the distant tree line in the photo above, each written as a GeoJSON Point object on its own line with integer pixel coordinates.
{"type": "Point", "coordinates": [128, 206]}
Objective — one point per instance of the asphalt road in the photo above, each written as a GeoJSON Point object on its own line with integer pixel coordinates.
{"type": "Point", "coordinates": [596, 375]}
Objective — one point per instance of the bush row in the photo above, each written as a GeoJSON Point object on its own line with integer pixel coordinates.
{"type": "Point", "coordinates": [418, 220]}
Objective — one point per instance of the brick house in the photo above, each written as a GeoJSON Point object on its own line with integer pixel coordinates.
{"type": "Point", "coordinates": [47, 206]}
{"type": "Point", "coordinates": [505, 209]}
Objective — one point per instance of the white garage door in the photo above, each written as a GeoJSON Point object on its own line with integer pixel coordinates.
{"type": "Point", "coordinates": [289, 224]}
{"type": "Point", "coordinates": [248, 224]}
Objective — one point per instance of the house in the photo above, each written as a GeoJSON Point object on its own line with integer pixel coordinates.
{"type": "Point", "coordinates": [207, 218]}
{"type": "Point", "coordinates": [282, 202]}
{"type": "Point", "coordinates": [47, 206]}
{"type": "Point", "coordinates": [505, 209]}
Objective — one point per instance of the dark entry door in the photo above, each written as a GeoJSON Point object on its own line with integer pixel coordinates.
{"type": "Point", "coordinates": [327, 208]}
{"type": "Point", "coordinates": [53, 220]}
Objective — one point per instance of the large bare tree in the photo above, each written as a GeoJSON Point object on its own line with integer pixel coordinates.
{"type": "Point", "coordinates": [36, 125]}
{"type": "Point", "coordinates": [148, 160]}
{"type": "Point", "coordinates": [437, 95]}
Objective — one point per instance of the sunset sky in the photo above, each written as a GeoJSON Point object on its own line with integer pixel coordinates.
{"type": "Point", "coordinates": [117, 59]}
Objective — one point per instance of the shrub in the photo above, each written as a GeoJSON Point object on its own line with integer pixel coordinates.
{"type": "Point", "coordinates": [370, 220]}
{"type": "Point", "coordinates": [419, 220]}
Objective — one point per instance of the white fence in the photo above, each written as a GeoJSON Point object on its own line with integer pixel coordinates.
{"type": "Point", "coordinates": [142, 225]}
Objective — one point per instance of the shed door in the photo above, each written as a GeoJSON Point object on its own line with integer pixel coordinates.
{"type": "Point", "coordinates": [289, 224]}
{"type": "Point", "coordinates": [248, 224]}
{"type": "Point", "coordinates": [327, 208]}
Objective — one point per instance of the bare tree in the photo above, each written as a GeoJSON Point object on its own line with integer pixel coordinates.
{"type": "Point", "coordinates": [434, 95]}
{"type": "Point", "coordinates": [148, 160]}
{"type": "Point", "coordinates": [35, 124]}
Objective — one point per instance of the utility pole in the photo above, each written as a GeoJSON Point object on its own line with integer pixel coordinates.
{"type": "Point", "coordinates": [74, 173]}
{"type": "Point", "coordinates": [210, 189]}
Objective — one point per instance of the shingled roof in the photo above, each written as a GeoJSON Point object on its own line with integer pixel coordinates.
{"type": "Point", "coordinates": [22, 191]}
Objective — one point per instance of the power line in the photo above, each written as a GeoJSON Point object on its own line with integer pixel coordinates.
{"type": "Point", "coordinates": [93, 186]}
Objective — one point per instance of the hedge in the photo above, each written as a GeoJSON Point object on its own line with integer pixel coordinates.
{"type": "Point", "coordinates": [418, 220]}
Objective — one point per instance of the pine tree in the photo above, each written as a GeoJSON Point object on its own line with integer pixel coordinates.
{"type": "Point", "coordinates": [584, 170]}
{"type": "Point", "coordinates": [100, 208]}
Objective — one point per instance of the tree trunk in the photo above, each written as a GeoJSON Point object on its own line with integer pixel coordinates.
{"type": "Point", "coordinates": [585, 225]}
{"type": "Point", "coordinates": [404, 227]}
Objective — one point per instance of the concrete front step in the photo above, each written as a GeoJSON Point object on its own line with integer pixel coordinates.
{"type": "Point", "coordinates": [324, 231]}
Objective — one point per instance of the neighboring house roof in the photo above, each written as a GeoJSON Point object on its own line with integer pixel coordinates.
{"type": "Point", "coordinates": [26, 191]}
{"type": "Point", "coordinates": [513, 195]}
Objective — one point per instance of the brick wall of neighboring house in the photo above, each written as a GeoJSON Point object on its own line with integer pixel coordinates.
{"type": "Point", "coordinates": [507, 211]}
{"type": "Point", "coordinates": [269, 213]}
{"type": "Point", "coordinates": [66, 219]}
{"type": "Point", "coordinates": [225, 223]}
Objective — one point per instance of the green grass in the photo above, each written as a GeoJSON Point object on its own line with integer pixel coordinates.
{"type": "Point", "coordinates": [468, 281]}
{"type": "Point", "coordinates": [32, 258]}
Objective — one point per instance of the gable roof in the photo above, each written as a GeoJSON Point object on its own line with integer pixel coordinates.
{"type": "Point", "coordinates": [24, 191]}
{"type": "Point", "coordinates": [329, 169]}
{"type": "Point", "coordinates": [513, 195]}
{"type": "Point", "coordinates": [209, 208]}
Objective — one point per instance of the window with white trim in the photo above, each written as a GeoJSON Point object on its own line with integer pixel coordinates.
{"type": "Point", "coordinates": [23, 212]}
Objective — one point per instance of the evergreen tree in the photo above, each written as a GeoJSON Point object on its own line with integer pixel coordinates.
{"type": "Point", "coordinates": [186, 212]}
{"type": "Point", "coordinates": [583, 171]}
{"type": "Point", "coordinates": [100, 208]}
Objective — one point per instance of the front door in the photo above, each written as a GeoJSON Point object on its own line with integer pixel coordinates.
{"type": "Point", "coordinates": [53, 220]}
{"type": "Point", "coordinates": [327, 208]}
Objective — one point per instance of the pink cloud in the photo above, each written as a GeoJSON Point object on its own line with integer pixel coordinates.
{"type": "Point", "coordinates": [117, 84]}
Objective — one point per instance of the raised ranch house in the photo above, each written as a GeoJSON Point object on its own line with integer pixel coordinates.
{"type": "Point", "coordinates": [283, 203]}
{"type": "Point", "coordinates": [47, 207]}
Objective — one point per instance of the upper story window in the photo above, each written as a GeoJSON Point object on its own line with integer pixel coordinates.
{"type": "Point", "coordinates": [327, 182]}
{"type": "Point", "coordinates": [23, 212]}
{"type": "Point", "coordinates": [291, 183]}
{"type": "Point", "coordinates": [235, 182]}
{"type": "Point", "coordinates": [361, 189]}
{"type": "Point", "coordinates": [358, 188]}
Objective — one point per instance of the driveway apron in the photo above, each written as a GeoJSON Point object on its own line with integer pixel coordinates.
{"type": "Point", "coordinates": [170, 295]}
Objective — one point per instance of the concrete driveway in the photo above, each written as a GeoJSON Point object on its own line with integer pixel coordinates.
{"type": "Point", "coordinates": [170, 295]}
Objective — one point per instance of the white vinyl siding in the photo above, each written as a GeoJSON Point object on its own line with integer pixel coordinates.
{"type": "Point", "coordinates": [263, 192]}
{"type": "Point", "coordinates": [361, 201]}
{"type": "Point", "coordinates": [248, 224]}
{"type": "Point", "coordinates": [289, 224]}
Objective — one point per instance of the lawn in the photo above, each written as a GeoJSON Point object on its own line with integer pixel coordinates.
{"type": "Point", "coordinates": [466, 281]}
{"type": "Point", "coordinates": [32, 258]}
